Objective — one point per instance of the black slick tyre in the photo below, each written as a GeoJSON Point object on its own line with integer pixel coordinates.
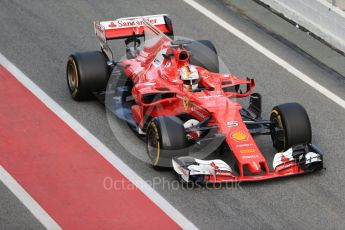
{"type": "Point", "coordinates": [86, 72]}
{"type": "Point", "coordinates": [165, 139]}
{"type": "Point", "coordinates": [291, 126]}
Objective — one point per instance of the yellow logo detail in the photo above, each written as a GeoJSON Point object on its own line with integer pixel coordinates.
{"type": "Point", "coordinates": [185, 103]}
{"type": "Point", "coordinates": [247, 151]}
{"type": "Point", "coordinates": [239, 136]}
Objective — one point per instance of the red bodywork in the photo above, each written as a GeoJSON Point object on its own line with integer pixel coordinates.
{"type": "Point", "coordinates": [153, 75]}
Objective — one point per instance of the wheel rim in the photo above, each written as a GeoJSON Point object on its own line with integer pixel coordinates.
{"type": "Point", "coordinates": [72, 76]}
{"type": "Point", "coordinates": [278, 132]}
{"type": "Point", "coordinates": [153, 145]}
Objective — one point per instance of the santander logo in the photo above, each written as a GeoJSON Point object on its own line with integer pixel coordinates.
{"type": "Point", "coordinates": [112, 24]}
{"type": "Point", "coordinates": [125, 23]}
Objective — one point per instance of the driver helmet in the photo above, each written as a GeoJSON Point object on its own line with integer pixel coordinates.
{"type": "Point", "coordinates": [190, 77]}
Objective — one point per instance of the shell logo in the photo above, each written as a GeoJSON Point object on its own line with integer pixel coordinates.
{"type": "Point", "coordinates": [239, 136]}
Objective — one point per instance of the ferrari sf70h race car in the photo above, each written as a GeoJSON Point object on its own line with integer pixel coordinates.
{"type": "Point", "coordinates": [170, 92]}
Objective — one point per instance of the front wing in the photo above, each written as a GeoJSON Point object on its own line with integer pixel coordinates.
{"type": "Point", "coordinates": [296, 160]}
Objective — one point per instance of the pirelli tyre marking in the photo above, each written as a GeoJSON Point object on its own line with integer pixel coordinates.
{"type": "Point", "coordinates": [153, 144]}
{"type": "Point", "coordinates": [73, 77]}
{"type": "Point", "coordinates": [280, 123]}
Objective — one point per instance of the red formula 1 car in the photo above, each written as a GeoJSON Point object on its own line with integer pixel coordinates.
{"type": "Point", "coordinates": [171, 93]}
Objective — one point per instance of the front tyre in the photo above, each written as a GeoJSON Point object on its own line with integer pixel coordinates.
{"type": "Point", "coordinates": [291, 126]}
{"type": "Point", "coordinates": [165, 139]}
{"type": "Point", "coordinates": [86, 72]}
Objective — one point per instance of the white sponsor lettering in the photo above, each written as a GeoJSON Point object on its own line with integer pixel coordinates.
{"type": "Point", "coordinates": [250, 156]}
{"type": "Point", "coordinates": [243, 145]}
{"type": "Point", "coordinates": [230, 124]}
{"type": "Point", "coordinates": [132, 22]}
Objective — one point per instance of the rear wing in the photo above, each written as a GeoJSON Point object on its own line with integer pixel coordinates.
{"type": "Point", "coordinates": [129, 27]}
{"type": "Point", "coordinates": [133, 26]}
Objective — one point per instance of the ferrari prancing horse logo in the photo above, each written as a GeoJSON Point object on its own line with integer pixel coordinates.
{"type": "Point", "coordinates": [185, 103]}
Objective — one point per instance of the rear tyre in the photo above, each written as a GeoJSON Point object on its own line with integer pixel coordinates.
{"type": "Point", "coordinates": [165, 139]}
{"type": "Point", "coordinates": [86, 72]}
{"type": "Point", "coordinates": [204, 54]}
{"type": "Point", "coordinates": [291, 126]}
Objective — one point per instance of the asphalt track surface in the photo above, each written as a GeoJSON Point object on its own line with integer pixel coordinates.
{"type": "Point", "coordinates": [38, 36]}
{"type": "Point", "coordinates": [10, 206]}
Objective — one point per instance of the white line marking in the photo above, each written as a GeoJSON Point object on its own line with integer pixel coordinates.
{"type": "Point", "coordinates": [153, 195]}
{"type": "Point", "coordinates": [27, 200]}
{"type": "Point", "coordinates": [267, 53]}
